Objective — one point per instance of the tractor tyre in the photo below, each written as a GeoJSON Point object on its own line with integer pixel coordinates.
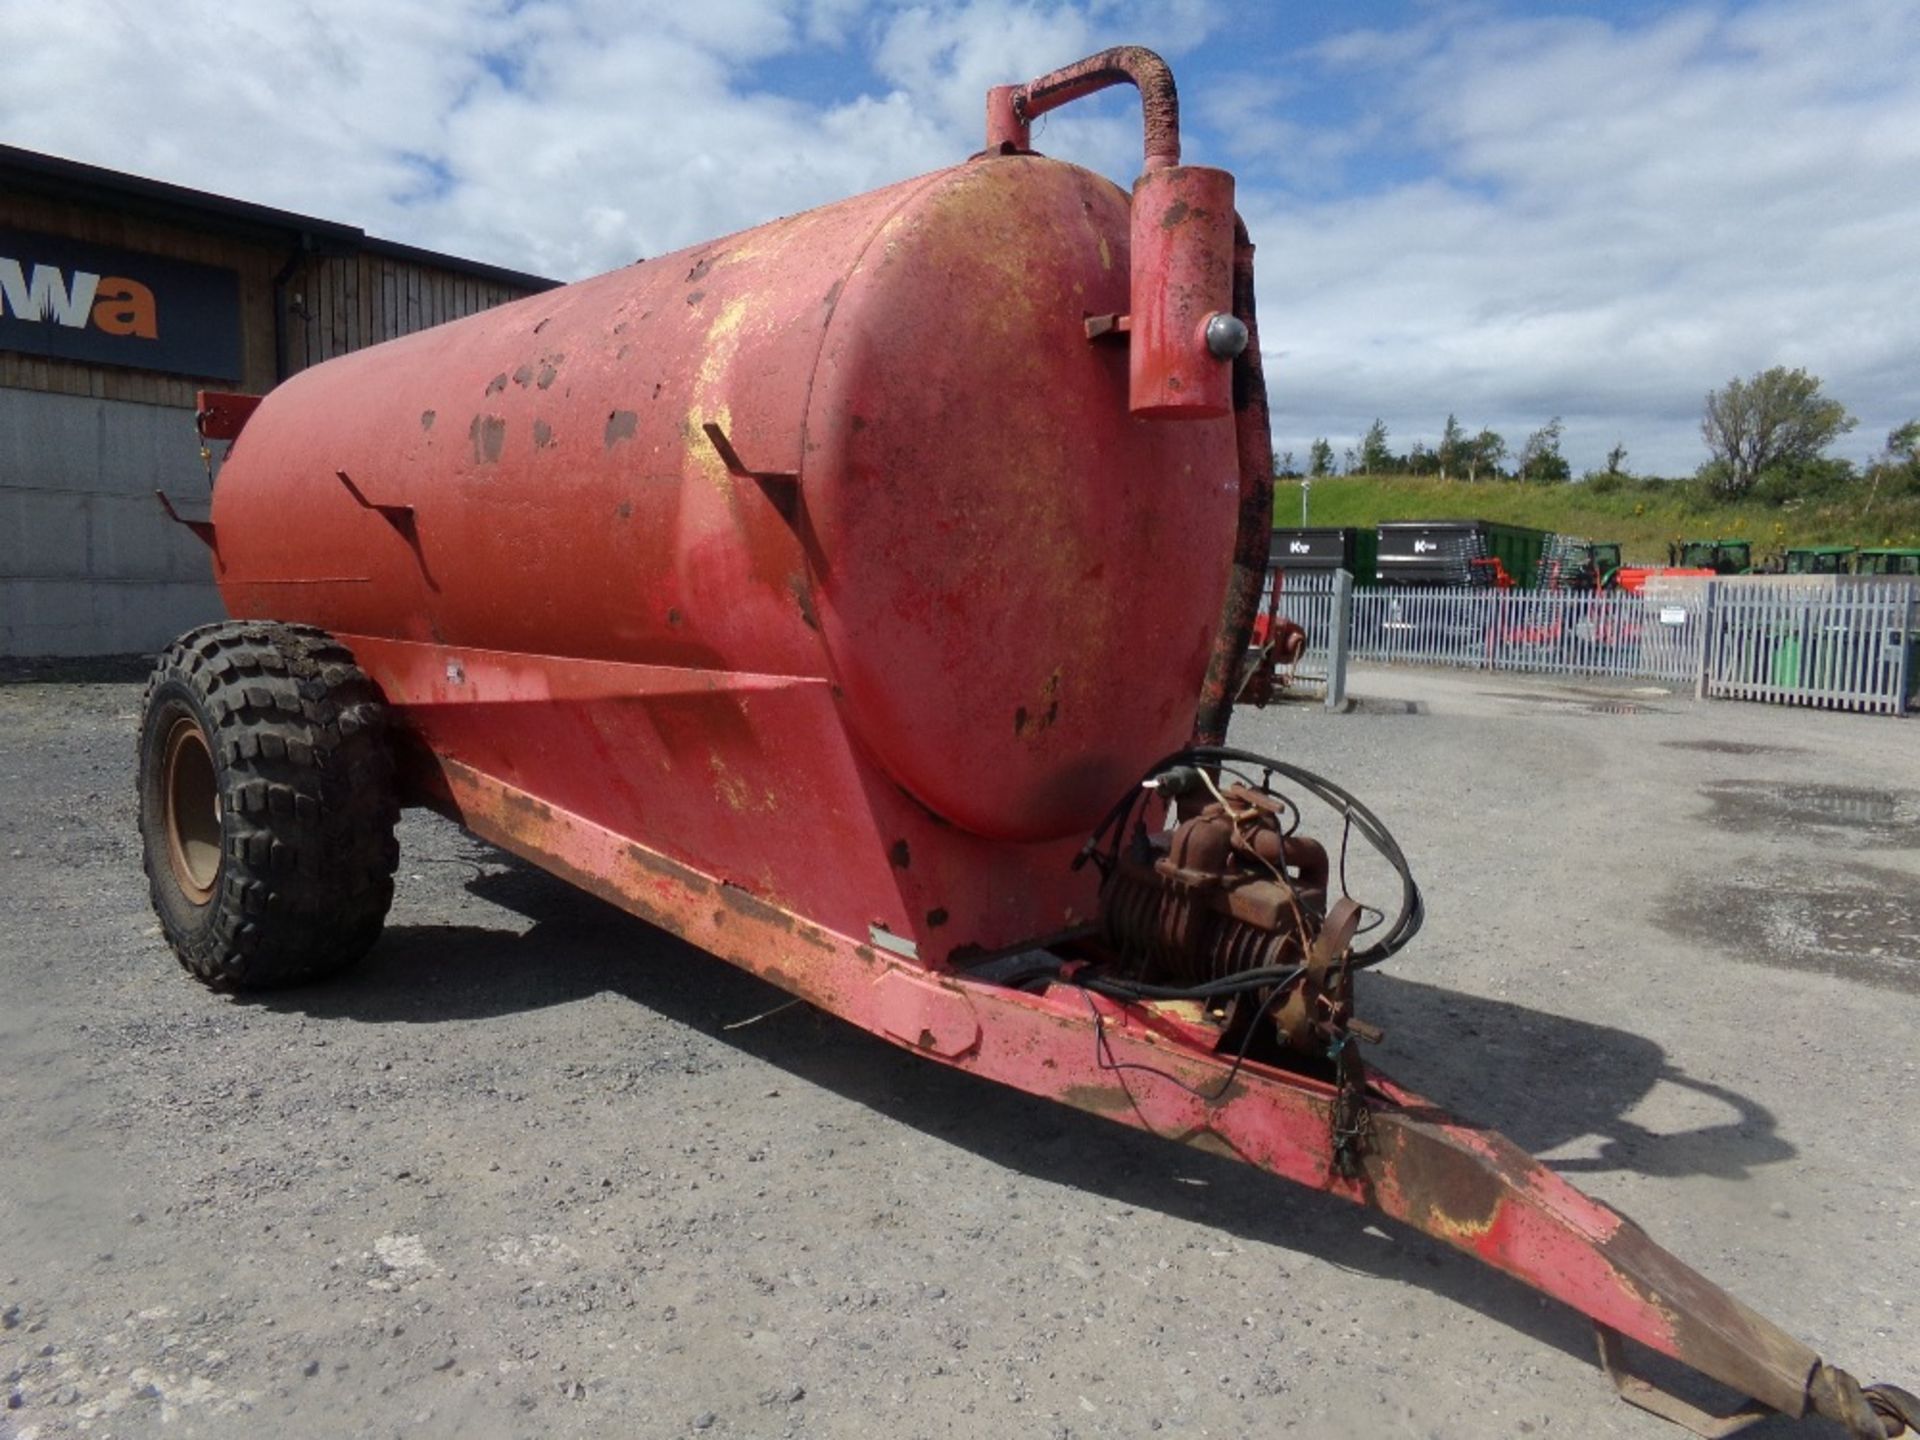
{"type": "Point", "coordinates": [267, 804]}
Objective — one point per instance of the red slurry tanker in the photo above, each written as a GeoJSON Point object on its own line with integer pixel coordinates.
{"type": "Point", "coordinates": [862, 598]}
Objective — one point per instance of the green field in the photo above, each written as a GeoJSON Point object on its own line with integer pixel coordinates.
{"type": "Point", "coordinates": [1642, 516]}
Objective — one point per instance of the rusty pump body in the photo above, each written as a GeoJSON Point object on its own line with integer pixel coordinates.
{"type": "Point", "coordinates": [779, 591]}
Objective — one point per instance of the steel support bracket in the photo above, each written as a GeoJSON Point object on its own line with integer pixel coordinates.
{"type": "Point", "coordinates": [398, 515]}
{"type": "Point", "coordinates": [219, 415]}
{"type": "Point", "coordinates": [201, 528]}
{"type": "Point", "coordinates": [781, 487]}
{"type": "Point", "coordinates": [1649, 1397]}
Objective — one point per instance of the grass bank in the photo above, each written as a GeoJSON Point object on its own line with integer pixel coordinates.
{"type": "Point", "coordinates": [1642, 516]}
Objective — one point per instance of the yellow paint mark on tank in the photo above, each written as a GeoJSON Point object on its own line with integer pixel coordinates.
{"type": "Point", "coordinates": [723, 339]}
{"type": "Point", "coordinates": [702, 459]}
{"type": "Point", "coordinates": [709, 391]}
{"type": "Point", "coordinates": [735, 794]}
{"type": "Point", "coordinates": [1106, 254]}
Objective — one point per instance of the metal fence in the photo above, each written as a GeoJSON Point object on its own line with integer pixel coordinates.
{"type": "Point", "coordinates": [1308, 600]}
{"type": "Point", "coordinates": [1542, 633]}
{"type": "Point", "coordinates": [1851, 647]}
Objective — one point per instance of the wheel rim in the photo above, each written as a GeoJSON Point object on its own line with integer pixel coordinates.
{"type": "Point", "coordinates": [192, 793]}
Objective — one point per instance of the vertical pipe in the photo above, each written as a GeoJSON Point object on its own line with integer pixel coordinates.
{"type": "Point", "coordinates": [1253, 443]}
{"type": "Point", "coordinates": [1909, 614]}
{"type": "Point", "coordinates": [1341, 630]}
{"type": "Point", "coordinates": [1704, 662]}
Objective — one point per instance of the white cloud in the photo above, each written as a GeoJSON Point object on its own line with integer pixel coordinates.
{"type": "Point", "coordinates": [561, 136]}
{"type": "Point", "coordinates": [1508, 218]}
{"type": "Point", "coordinates": [1624, 217]}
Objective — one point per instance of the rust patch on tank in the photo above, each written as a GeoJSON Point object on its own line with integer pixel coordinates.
{"type": "Point", "coordinates": [699, 271]}
{"type": "Point", "coordinates": [426, 419]}
{"type": "Point", "coordinates": [1100, 1099]}
{"type": "Point", "coordinates": [1441, 1196]}
{"type": "Point", "coordinates": [694, 297]}
{"type": "Point", "coordinates": [542, 435]}
{"type": "Point", "coordinates": [523, 376]}
{"type": "Point", "coordinates": [489, 436]}
{"type": "Point", "coordinates": [620, 426]}
{"type": "Point", "coordinates": [497, 384]}
{"type": "Point", "coordinates": [816, 937]}
{"type": "Point", "coordinates": [1026, 723]}
{"type": "Point", "coordinates": [936, 918]}
{"type": "Point", "coordinates": [549, 371]}
{"type": "Point", "coordinates": [803, 597]}
{"type": "Point", "coordinates": [624, 510]}
{"type": "Point", "coordinates": [1175, 213]}
{"type": "Point", "coordinates": [520, 803]}
{"type": "Point", "coordinates": [645, 859]}
{"type": "Point", "coordinates": [751, 907]}
{"type": "Point", "coordinates": [900, 855]}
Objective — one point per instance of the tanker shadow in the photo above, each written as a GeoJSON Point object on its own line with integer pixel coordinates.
{"type": "Point", "coordinates": [1544, 1079]}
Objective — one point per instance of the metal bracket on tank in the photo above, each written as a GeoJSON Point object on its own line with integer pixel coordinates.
{"type": "Point", "coordinates": [201, 528]}
{"type": "Point", "coordinates": [399, 516]}
{"type": "Point", "coordinates": [781, 487]}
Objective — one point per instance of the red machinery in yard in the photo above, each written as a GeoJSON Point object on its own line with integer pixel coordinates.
{"type": "Point", "coordinates": [779, 591]}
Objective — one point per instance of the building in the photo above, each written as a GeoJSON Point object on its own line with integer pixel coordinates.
{"type": "Point", "coordinates": [119, 299]}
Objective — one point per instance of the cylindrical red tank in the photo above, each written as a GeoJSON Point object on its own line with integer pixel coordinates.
{"type": "Point", "coordinates": [946, 511]}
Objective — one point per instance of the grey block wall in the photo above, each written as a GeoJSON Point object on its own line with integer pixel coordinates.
{"type": "Point", "coordinates": [89, 565]}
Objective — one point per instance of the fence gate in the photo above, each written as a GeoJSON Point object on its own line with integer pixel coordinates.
{"type": "Point", "coordinates": [1848, 648]}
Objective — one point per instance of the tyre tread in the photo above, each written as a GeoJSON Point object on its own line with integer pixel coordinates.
{"type": "Point", "coordinates": [309, 804]}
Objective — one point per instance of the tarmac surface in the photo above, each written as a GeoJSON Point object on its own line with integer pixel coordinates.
{"type": "Point", "coordinates": [530, 1171]}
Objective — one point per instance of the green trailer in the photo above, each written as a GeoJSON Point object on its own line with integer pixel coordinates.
{"type": "Point", "coordinates": [1723, 557]}
{"type": "Point", "coordinates": [1884, 561]}
{"type": "Point", "coordinates": [1820, 560]}
{"type": "Point", "coordinates": [1459, 553]}
{"type": "Point", "coordinates": [1325, 548]}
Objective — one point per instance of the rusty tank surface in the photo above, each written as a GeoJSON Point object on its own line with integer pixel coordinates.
{"type": "Point", "coordinates": [863, 597]}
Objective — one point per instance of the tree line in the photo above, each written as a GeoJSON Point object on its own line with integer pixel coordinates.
{"type": "Point", "coordinates": [1767, 438]}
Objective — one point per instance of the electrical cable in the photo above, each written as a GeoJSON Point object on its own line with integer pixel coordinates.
{"type": "Point", "coordinates": [1103, 1051]}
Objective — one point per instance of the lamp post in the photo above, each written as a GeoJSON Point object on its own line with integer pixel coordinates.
{"type": "Point", "coordinates": [1305, 486]}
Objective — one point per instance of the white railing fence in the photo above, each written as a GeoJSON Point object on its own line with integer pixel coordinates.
{"type": "Point", "coordinates": [1850, 647]}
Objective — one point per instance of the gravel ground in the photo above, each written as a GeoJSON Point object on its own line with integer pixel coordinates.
{"type": "Point", "coordinates": [527, 1173]}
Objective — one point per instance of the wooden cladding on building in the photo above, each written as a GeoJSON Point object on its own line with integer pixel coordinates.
{"type": "Point", "coordinates": [102, 225]}
{"type": "Point", "coordinates": [342, 303]}
{"type": "Point", "coordinates": [334, 298]}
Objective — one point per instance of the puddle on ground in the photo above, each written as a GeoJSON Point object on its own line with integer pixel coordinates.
{"type": "Point", "coordinates": [1369, 705]}
{"type": "Point", "coordinates": [1732, 747]}
{"type": "Point", "coordinates": [1887, 818]}
{"type": "Point", "coordinates": [1866, 928]}
{"type": "Point", "coordinates": [1576, 705]}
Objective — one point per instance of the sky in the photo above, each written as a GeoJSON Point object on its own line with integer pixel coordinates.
{"type": "Point", "coordinates": [1507, 210]}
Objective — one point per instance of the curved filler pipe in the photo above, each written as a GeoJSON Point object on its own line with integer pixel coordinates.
{"type": "Point", "coordinates": [1162, 347]}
